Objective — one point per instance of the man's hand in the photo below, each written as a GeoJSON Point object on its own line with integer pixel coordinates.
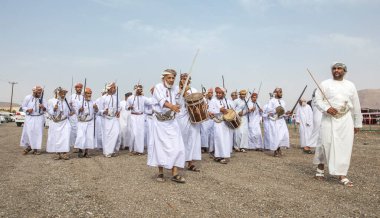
{"type": "Point", "coordinates": [71, 113]}
{"type": "Point", "coordinates": [175, 108]}
{"type": "Point", "coordinates": [105, 112]}
{"type": "Point", "coordinates": [29, 111]}
{"type": "Point", "coordinates": [332, 111]}
{"type": "Point", "coordinates": [118, 114]}
{"type": "Point", "coordinates": [81, 109]}
{"type": "Point", "coordinates": [223, 110]}
{"type": "Point", "coordinates": [42, 107]}
{"type": "Point", "coordinates": [55, 107]}
{"type": "Point", "coordinates": [96, 108]}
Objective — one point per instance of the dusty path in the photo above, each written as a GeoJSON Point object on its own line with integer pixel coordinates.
{"type": "Point", "coordinates": [253, 184]}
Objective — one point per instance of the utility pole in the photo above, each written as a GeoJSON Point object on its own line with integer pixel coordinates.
{"type": "Point", "coordinates": [10, 108]}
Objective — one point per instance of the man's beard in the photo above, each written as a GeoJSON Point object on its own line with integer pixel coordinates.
{"type": "Point", "coordinates": [167, 85]}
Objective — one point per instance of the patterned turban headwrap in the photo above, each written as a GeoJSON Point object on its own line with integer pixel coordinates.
{"type": "Point", "coordinates": [243, 92]}
{"type": "Point", "coordinates": [254, 94]}
{"type": "Point", "coordinates": [87, 90]}
{"type": "Point", "coordinates": [109, 85]}
{"type": "Point", "coordinates": [78, 85]}
{"type": "Point", "coordinates": [221, 88]}
{"type": "Point", "coordinates": [184, 75]}
{"type": "Point", "coordinates": [339, 64]}
{"type": "Point", "coordinates": [138, 87]}
{"type": "Point", "coordinates": [60, 89]}
{"type": "Point", "coordinates": [168, 72]}
{"type": "Point", "coordinates": [277, 89]}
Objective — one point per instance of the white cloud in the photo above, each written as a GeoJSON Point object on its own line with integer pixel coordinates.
{"type": "Point", "coordinates": [179, 37]}
{"type": "Point", "coordinates": [264, 5]}
{"type": "Point", "coordinates": [338, 39]}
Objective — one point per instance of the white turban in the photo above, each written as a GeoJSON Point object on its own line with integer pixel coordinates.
{"type": "Point", "coordinates": [339, 64]}
{"type": "Point", "coordinates": [35, 88]}
{"type": "Point", "coordinates": [109, 85]}
{"type": "Point", "coordinates": [221, 88]}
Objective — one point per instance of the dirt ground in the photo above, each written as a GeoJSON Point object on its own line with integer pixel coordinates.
{"type": "Point", "coordinates": [253, 184]}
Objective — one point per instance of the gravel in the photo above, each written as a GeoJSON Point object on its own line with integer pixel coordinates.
{"type": "Point", "coordinates": [253, 184]}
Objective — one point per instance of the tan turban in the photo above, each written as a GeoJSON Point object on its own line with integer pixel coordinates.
{"type": "Point", "coordinates": [243, 92]}
{"type": "Point", "coordinates": [168, 72]}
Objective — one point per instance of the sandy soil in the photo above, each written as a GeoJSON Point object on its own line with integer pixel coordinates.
{"type": "Point", "coordinates": [253, 184]}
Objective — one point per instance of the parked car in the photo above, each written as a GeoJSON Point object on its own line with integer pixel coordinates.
{"type": "Point", "coordinates": [2, 119]}
{"type": "Point", "coordinates": [13, 118]}
{"type": "Point", "coordinates": [7, 116]}
{"type": "Point", "coordinates": [20, 118]}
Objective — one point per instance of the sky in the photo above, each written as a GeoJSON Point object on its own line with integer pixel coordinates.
{"type": "Point", "coordinates": [249, 42]}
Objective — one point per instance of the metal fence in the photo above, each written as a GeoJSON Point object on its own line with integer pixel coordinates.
{"type": "Point", "coordinates": [371, 121]}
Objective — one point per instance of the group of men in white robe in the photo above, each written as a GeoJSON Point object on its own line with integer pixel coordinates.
{"type": "Point", "coordinates": [160, 124]}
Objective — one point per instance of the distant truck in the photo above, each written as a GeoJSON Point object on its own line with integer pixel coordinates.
{"type": "Point", "coordinates": [20, 118]}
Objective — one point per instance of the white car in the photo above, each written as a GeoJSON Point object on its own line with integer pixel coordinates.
{"type": "Point", "coordinates": [2, 119]}
{"type": "Point", "coordinates": [20, 118]}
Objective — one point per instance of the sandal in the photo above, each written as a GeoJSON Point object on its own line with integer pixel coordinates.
{"type": "Point", "coordinates": [275, 154]}
{"type": "Point", "coordinates": [179, 179]}
{"type": "Point", "coordinates": [217, 159]}
{"type": "Point", "coordinates": [320, 174]}
{"type": "Point", "coordinates": [243, 150]}
{"type": "Point", "coordinates": [223, 161]}
{"type": "Point", "coordinates": [279, 152]}
{"type": "Point", "coordinates": [86, 155]}
{"type": "Point", "coordinates": [36, 152]}
{"type": "Point", "coordinates": [58, 156]}
{"type": "Point", "coordinates": [27, 150]}
{"type": "Point", "coordinates": [308, 151]}
{"type": "Point", "coordinates": [160, 178]}
{"type": "Point", "coordinates": [65, 156]}
{"type": "Point", "coordinates": [346, 182]}
{"type": "Point", "coordinates": [193, 168]}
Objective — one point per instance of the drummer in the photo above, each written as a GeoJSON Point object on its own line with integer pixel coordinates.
{"type": "Point", "coordinates": [222, 134]}
{"type": "Point", "coordinates": [191, 132]}
{"type": "Point", "coordinates": [279, 132]}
